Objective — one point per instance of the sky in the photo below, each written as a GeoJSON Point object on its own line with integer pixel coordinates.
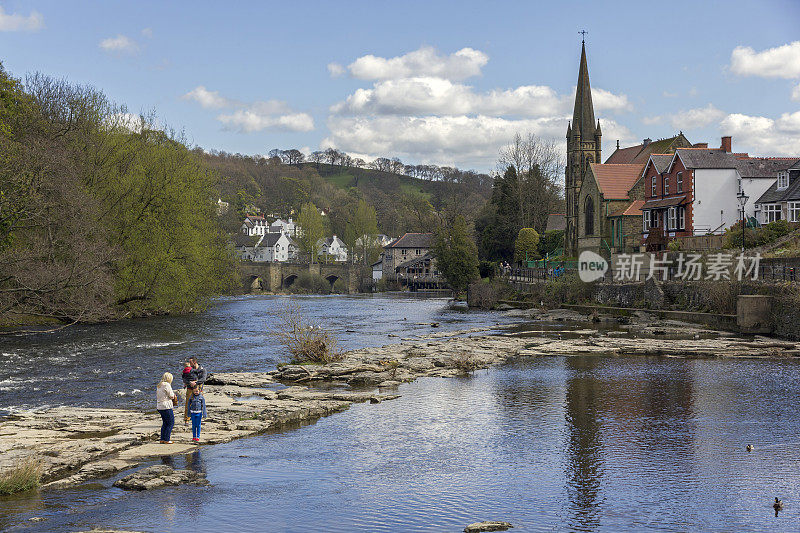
{"type": "Point", "coordinates": [433, 82]}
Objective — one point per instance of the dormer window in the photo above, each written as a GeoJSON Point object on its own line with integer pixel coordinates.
{"type": "Point", "coordinates": [783, 180]}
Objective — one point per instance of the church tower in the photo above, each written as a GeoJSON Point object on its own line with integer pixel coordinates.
{"type": "Point", "coordinates": [583, 148]}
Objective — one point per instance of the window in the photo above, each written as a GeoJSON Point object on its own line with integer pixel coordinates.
{"type": "Point", "coordinates": [654, 186]}
{"type": "Point", "coordinates": [794, 212]}
{"type": "Point", "coordinates": [672, 217]}
{"type": "Point", "coordinates": [681, 217]}
{"type": "Point", "coordinates": [771, 213]}
{"type": "Point", "coordinates": [589, 216]}
{"type": "Point", "coordinates": [679, 183]}
{"type": "Point", "coordinates": [783, 180]}
{"type": "Point", "coordinates": [646, 220]}
{"type": "Point", "coordinates": [666, 184]}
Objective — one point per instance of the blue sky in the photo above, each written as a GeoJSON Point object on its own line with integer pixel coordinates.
{"type": "Point", "coordinates": [429, 82]}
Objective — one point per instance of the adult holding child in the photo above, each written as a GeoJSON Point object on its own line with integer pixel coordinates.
{"type": "Point", "coordinates": [166, 400]}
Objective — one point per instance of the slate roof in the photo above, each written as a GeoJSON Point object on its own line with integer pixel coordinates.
{"type": "Point", "coordinates": [633, 210]}
{"type": "Point", "coordinates": [664, 202]}
{"type": "Point", "coordinates": [641, 153]}
{"type": "Point", "coordinates": [270, 239]}
{"type": "Point", "coordinates": [764, 167]}
{"type": "Point", "coordinates": [707, 158]}
{"type": "Point", "coordinates": [240, 240]}
{"type": "Point", "coordinates": [413, 240]}
{"type": "Point", "coordinates": [661, 161]}
{"type": "Point", "coordinates": [556, 222]}
{"type": "Point", "coordinates": [414, 261]}
{"type": "Point", "coordinates": [791, 193]}
{"type": "Point", "coordinates": [616, 180]}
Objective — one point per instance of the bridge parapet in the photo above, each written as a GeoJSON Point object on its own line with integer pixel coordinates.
{"type": "Point", "coordinates": [277, 277]}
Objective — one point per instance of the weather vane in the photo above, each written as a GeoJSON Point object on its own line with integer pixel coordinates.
{"type": "Point", "coordinates": [583, 36]}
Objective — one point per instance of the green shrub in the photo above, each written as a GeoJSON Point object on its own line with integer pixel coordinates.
{"type": "Point", "coordinates": [25, 476]}
{"type": "Point", "coordinates": [485, 294]}
{"type": "Point", "coordinates": [486, 269]}
{"type": "Point", "coordinates": [755, 237]}
{"type": "Point", "coordinates": [550, 242]}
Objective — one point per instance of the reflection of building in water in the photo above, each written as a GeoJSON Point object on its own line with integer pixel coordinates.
{"type": "Point", "coordinates": [584, 467]}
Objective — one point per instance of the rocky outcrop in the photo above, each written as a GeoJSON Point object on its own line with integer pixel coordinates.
{"type": "Point", "coordinates": [491, 525]}
{"type": "Point", "coordinates": [158, 476]}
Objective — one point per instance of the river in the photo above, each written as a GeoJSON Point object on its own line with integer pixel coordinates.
{"type": "Point", "coordinates": [549, 444]}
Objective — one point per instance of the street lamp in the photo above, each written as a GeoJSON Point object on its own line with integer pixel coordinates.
{"type": "Point", "coordinates": [742, 197]}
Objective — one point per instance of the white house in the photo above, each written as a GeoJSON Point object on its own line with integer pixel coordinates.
{"type": "Point", "coordinates": [286, 227]}
{"type": "Point", "coordinates": [377, 270]}
{"type": "Point", "coordinates": [333, 246]}
{"type": "Point", "coordinates": [267, 248]}
{"type": "Point", "coordinates": [254, 225]}
{"type": "Point", "coordinates": [782, 200]}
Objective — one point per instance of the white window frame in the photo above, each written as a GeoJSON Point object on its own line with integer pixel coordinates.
{"type": "Point", "coordinates": [679, 182]}
{"type": "Point", "coordinates": [783, 180]}
{"type": "Point", "coordinates": [646, 219]}
{"type": "Point", "coordinates": [666, 184]}
{"type": "Point", "coordinates": [769, 212]}
{"type": "Point", "coordinates": [654, 186]}
{"type": "Point", "coordinates": [793, 211]}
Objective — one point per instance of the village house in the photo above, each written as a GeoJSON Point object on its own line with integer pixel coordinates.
{"type": "Point", "coordinates": [699, 191]}
{"type": "Point", "coordinates": [377, 270]}
{"type": "Point", "coordinates": [333, 247]}
{"type": "Point", "coordinates": [287, 227]}
{"type": "Point", "coordinates": [270, 247]}
{"type": "Point", "coordinates": [781, 201]}
{"type": "Point", "coordinates": [410, 261]}
{"type": "Point", "coordinates": [254, 225]}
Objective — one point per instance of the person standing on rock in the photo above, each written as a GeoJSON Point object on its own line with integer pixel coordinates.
{"type": "Point", "coordinates": [197, 411]}
{"type": "Point", "coordinates": [166, 398]}
{"type": "Point", "coordinates": [196, 376]}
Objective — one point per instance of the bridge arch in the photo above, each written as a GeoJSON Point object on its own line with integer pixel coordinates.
{"type": "Point", "coordinates": [332, 279]}
{"type": "Point", "coordinates": [256, 283]}
{"type": "Point", "coordinates": [288, 281]}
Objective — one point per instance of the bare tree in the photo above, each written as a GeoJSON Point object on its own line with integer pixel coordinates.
{"type": "Point", "coordinates": [293, 156]}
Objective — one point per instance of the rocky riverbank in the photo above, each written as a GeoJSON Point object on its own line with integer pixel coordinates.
{"type": "Point", "coordinates": [76, 445]}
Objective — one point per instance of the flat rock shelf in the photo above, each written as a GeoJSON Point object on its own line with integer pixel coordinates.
{"type": "Point", "coordinates": [77, 445]}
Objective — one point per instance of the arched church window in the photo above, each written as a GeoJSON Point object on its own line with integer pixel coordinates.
{"type": "Point", "coordinates": [588, 213]}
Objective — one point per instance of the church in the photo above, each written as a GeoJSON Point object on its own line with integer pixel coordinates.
{"type": "Point", "coordinates": [604, 200]}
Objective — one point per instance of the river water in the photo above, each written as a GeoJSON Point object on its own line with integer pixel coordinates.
{"type": "Point", "coordinates": [549, 444]}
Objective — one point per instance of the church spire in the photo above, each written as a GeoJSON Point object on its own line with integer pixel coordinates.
{"type": "Point", "coordinates": [583, 122]}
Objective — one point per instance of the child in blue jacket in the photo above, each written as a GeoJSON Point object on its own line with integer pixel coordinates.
{"type": "Point", "coordinates": [197, 412]}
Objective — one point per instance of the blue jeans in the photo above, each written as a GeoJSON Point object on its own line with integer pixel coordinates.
{"type": "Point", "coordinates": [167, 422]}
{"type": "Point", "coordinates": [197, 419]}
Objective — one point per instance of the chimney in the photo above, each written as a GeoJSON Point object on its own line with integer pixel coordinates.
{"type": "Point", "coordinates": [646, 142]}
{"type": "Point", "coordinates": [726, 144]}
{"type": "Point", "coordinates": [700, 145]}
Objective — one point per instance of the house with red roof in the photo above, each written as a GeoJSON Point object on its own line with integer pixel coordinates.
{"type": "Point", "coordinates": [610, 200]}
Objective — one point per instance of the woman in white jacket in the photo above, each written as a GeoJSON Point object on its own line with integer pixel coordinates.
{"type": "Point", "coordinates": [166, 400]}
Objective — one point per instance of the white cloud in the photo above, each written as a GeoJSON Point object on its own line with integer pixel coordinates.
{"type": "Point", "coordinates": [257, 119]}
{"type": "Point", "coordinates": [696, 118]}
{"type": "Point", "coordinates": [249, 118]}
{"type": "Point", "coordinates": [208, 99]}
{"type": "Point", "coordinates": [796, 93]}
{"type": "Point", "coordinates": [422, 96]}
{"type": "Point", "coordinates": [763, 135]}
{"type": "Point", "coordinates": [147, 32]}
{"type": "Point", "coordinates": [424, 62]}
{"type": "Point", "coordinates": [336, 70]}
{"type": "Point", "coordinates": [779, 62]}
{"type": "Point", "coordinates": [650, 121]}
{"type": "Point", "coordinates": [16, 22]}
{"type": "Point", "coordinates": [475, 139]}
{"type": "Point", "coordinates": [120, 43]}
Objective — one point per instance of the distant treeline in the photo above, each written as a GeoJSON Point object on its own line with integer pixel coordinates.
{"type": "Point", "coordinates": [102, 215]}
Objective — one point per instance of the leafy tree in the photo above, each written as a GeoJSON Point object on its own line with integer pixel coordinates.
{"type": "Point", "coordinates": [361, 234]}
{"type": "Point", "coordinates": [550, 242]}
{"type": "Point", "coordinates": [456, 255]}
{"type": "Point", "coordinates": [312, 229]}
{"type": "Point", "coordinates": [526, 245]}
{"type": "Point", "coordinates": [499, 222]}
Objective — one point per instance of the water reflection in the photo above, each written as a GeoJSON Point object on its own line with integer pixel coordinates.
{"type": "Point", "coordinates": [584, 461]}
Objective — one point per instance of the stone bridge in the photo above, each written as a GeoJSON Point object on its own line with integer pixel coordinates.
{"type": "Point", "coordinates": [277, 277]}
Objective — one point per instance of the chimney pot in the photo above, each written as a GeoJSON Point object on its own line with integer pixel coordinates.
{"type": "Point", "coordinates": [646, 142]}
{"type": "Point", "coordinates": [727, 142]}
